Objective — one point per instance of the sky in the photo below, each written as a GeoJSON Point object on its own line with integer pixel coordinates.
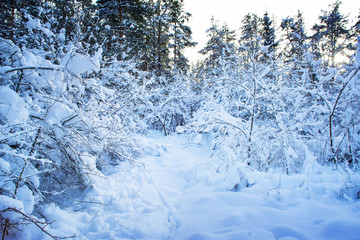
{"type": "Point", "coordinates": [233, 11]}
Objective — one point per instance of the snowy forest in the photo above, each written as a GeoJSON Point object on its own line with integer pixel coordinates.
{"type": "Point", "coordinates": [108, 130]}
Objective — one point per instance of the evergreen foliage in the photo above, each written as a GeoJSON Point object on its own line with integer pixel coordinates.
{"type": "Point", "coordinates": [268, 35]}
{"type": "Point", "coordinates": [295, 37]}
{"type": "Point", "coordinates": [330, 35]}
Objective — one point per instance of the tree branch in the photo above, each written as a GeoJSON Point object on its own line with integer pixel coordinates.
{"type": "Point", "coordinates": [31, 68]}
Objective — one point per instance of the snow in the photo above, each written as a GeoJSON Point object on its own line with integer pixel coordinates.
{"type": "Point", "coordinates": [4, 166]}
{"type": "Point", "coordinates": [25, 195]}
{"type": "Point", "coordinates": [36, 24]}
{"type": "Point", "coordinates": [7, 202]}
{"type": "Point", "coordinates": [176, 191]}
{"type": "Point", "coordinates": [29, 59]}
{"type": "Point", "coordinates": [357, 55]}
{"type": "Point", "coordinates": [58, 113]}
{"type": "Point", "coordinates": [78, 63]}
{"type": "Point", "coordinates": [12, 107]}
{"type": "Point", "coordinates": [247, 161]}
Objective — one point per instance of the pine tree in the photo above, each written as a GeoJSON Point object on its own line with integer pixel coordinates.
{"type": "Point", "coordinates": [295, 37]}
{"type": "Point", "coordinates": [8, 15]}
{"type": "Point", "coordinates": [110, 14]}
{"type": "Point", "coordinates": [135, 29]}
{"type": "Point", "coordinates": [12, 17]}
{"type": "Point", "coordinates": [355, 33]}
{"type": "Point", "coordinates": [356, 27]}
{"type": "Point", "coordinates": [63, 17]}
{"type": "Point", "coordinates": [331, 34]}
{"type": "Point", "coordinates": [87, 26]}
{"type": "Point", "coordinates": [221, 43]}
{"type": "Point", "coordinates": [160, 38]}
{"type": "Point", "coordinates": [180, 35]}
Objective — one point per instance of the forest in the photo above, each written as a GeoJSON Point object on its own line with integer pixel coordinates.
{"type": "Point", "coordinates": [83, 83]}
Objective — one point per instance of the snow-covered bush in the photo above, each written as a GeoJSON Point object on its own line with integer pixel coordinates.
{"type": "Point", "coordinates": [269, 114]}
{"type": "Point", "coordinates": [243, 111]}
{"type": "Point", "coordinates": [168, 104]}
{"type": "Point", "coordinates": [325, 102]}
{"type": "Point", "coordinates": [60, 125]}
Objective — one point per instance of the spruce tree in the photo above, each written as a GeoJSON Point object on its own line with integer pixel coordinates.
{"type": "Point", "coordinates": [135, 28]}
{"type": "Point", "coordinates": [110, 15]}
{"type": "Point", "coordinates": [250, 39]}
{"type": "Point", "coordinates": [356, 27]}
{"type": "Point", "coordinates": [268, 36]}
{"type": "Point", "coordinates": [160, 38]}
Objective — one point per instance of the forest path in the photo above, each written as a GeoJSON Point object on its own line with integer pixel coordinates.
{"type": "Point", "coordinates": [175, 192]}
{"type": "Point", "coordinates": [200, 202]}
{"type": "Point", "coordinates": [202, 205]}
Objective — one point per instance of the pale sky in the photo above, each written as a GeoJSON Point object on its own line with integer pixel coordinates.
{"type": "Point", "coordinates": [233, 11]}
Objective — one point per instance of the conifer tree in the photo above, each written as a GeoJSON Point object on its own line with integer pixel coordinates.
{"type": "Point", "coordinates": [180, 35]}
{"type": "Point", "coordinates": [110, 14]}
{"type": "Point", "coordinates": [220, 44]}
{"type": "Point", "coordinates": [356, 27]}
{"type": "Point", "coordinates": [12, 17]}
{"type": "Point", "coordinates": [331, 34]}
{"type": "Point", "coordinates": [355, 33]}
{"type": "Point", "coordinates": [87, 26]}
{"type": "Point", "coordinates": [250, 38]}
{"type": "Point", "coordinates": [159, 38]}
{"type": "Point", "coordinates": [62, 18]}
{"type": "Point", "coordinates": [135, 28]}
{"type": "Point", "coordinates": [268, 36]}
{"type": "Point", "coordinates": [295, 37]}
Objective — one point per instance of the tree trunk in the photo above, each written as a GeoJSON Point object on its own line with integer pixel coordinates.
{"type": "Point", "coordinates": [12, 20]}
{"type": "Point", "coordinates": [120, 19]}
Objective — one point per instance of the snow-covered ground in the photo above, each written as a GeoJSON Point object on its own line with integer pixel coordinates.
{"type": "Point", "coordinates": [177, 191]}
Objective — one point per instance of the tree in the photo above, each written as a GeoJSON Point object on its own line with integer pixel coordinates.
{"type": "Point", "coordinates": [110, 14]}
{"type": "Point", "coordinates": [159, 38]}
{"type": "Point", "coordinates": [87, 25]}
{"type": "Point", "coordinates": [221, 45]}
{"type": "Point", "coordinates": [268, 36]}
{"type": "Point", "coordinates": [331, 34]}
{"type": "Point", "coordinates": [136, 29]}
{"type": "Point", "coordinates": [12, 17]}
{"type": "Point", "coordinates": [295, 47]}
{"type": "Point", "coordinates": [250, 39]}
{"type": "Point", "coordinates": [356, 27]}
{"type": "Point", "coordinates": [61, 15]}
{"type": "Point", "coordinates": [123, 28]}
{"type": "Point", "coordinates": [180, 35]}
{"type": "Point", "coordinates": [355, 32]}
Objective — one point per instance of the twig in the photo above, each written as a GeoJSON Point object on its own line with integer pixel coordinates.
{"type": "Point", "coordinates": [333, 112]}
{"type": "Point", "coordinates": [26, 162]}
{"type": "Point", "coordinates": [36, 222]}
